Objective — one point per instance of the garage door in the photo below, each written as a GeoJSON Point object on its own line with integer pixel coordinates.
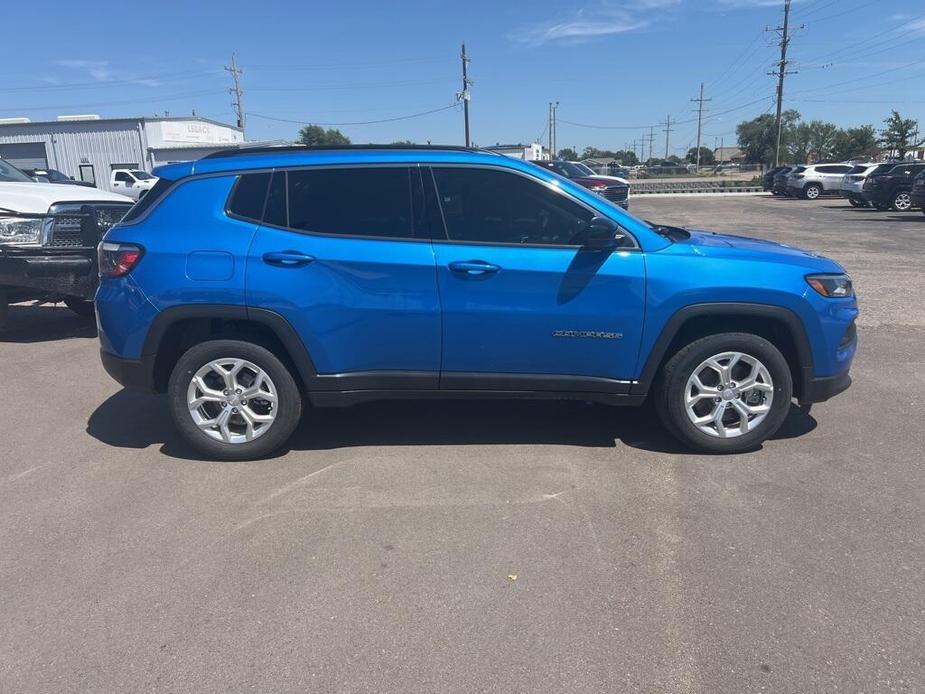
{"type": "Point", "coordinates": [25, 155]}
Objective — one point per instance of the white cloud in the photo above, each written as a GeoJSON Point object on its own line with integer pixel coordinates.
{"type": "Point", "coordinates": [97, 69]}
{"type": "Point", "coordinates": [591, 23]}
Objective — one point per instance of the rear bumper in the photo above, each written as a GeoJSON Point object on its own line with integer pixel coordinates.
{"type": "Point", "coordinates": [129, 373]}
{"type": "Point", "coordinates": [822, 389]}
{"type": "Point", "coordinates": [65, 272]}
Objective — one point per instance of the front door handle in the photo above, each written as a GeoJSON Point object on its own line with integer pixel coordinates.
{"type": "Point", "coordinates": [287, 258]}
{"type": "Point", "coordinates": [474, 267]}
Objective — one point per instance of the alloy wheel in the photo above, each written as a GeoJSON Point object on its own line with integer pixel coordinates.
{"type": "Point", "coordinates": [729, 394]}
{"type": "Point", "coordinates": [232, 400]}
{"type": "Point", "coordinates": [812, 192]}
{"type": "Point", "coordinates": [902, 202]}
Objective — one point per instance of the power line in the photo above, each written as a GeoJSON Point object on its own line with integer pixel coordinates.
{"type": "Point", "coordinates": [367, 122]}
{"type": "Point", "coordinates": [102, 84]}
{"type": "Point", "coordinates": [123, 102]}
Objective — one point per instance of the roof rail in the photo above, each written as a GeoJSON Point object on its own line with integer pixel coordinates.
{"type": "Point", "coordinates": [294, 149]}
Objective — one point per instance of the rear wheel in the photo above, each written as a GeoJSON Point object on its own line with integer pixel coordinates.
{"type": "Point", "coordinates": [81, 307]}
{"type": "Point", "coordinates": [234, 400]}
{"type": "Point", "coordinates": [812, 191]}
{"type": "Point", "coordinates": [855, 202]}
{"type": "Point", "coordinates": [902, 202]}
{"type": "Point", "coordinates": [724, 393]}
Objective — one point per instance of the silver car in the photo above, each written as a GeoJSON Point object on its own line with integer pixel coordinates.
{"type": "Point", "coordinates": [811, 182]}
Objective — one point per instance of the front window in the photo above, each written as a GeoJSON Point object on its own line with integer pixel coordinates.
{"type": "Point", "coordinates": [585, 170]}
{"type": "Point", "coordinates": [10, 174]}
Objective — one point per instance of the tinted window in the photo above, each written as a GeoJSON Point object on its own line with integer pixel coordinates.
{"type": "Point", "coordinates": [124, 177]}
{"type": "Point", "coordinates": [354, 202]}
{"type": "Point", "coordinates": [276, 212]}
{"type": "Point", "coordinates": [152, 196]}
{"type": "Point", "coordinates": [249, 195]}
{"type": "Point", "coordinates": [499, 207]}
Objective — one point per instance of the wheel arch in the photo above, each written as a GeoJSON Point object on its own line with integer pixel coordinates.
{"type": "Point", "coordinates": [176, 329]}
{"type": "Point", "coordinates": [780, 326]}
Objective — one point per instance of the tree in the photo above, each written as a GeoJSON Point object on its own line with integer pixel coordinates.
{"type": "Point", "coordinates": [758, 137]}
{"type": "Point", "coordinates": [673, 160]}
{"type": "Point", "coordinates": [822, 139]}
{"type": "Point", "coordinates": [856, 143]}
{"type": "Point", "coordinates": [568, 154]}
{"type": "Point", "coordinates": [707, 158]}
{"type": "Point", "coordinates": [798, 142]}
{"type": "Point", "coordinates": [316, 135]}
{"type": "Point", "coordinates": [899, 134]}
{"type": "Point", "coordinates": [594, 153]}
{"type": "Point", "coordinates": [627, 157]}
{"type": "Point", "coordinates": [404, 142]}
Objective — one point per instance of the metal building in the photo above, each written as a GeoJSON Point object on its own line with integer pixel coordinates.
{"type": "Point", "coordinates": [89, 147]}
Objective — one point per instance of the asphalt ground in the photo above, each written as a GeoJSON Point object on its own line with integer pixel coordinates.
{"type": "Point", "coordinates": [471, 546]}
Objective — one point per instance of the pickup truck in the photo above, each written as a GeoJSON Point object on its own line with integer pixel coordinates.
{"type": "Point", "coordinates": [48, 238]}
{"type": "Point", "coordinates": [131, 182]}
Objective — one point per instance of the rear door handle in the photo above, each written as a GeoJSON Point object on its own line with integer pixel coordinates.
{"type": "Point", "coordinates": [287, 258]}
{"type": "Point", "coordinates": [474, 267]}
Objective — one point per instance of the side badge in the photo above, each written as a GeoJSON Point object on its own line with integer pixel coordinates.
{"type": "Point", "coordinates": [588, 334]}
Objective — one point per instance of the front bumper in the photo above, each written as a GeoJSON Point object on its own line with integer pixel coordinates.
{"type": "Point", "coordinates": [57, 271]}
{"type": "Point", "coordinates": [822, 389]}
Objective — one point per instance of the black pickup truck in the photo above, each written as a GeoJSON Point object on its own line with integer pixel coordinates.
{"type": "Point", "coordinates": [48, 238]}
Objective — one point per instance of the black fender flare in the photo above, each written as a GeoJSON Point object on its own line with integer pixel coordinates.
{"type": "Point", "coordinates": [278, 325]}
{"type": "Point", "coordinates": [674, 324]}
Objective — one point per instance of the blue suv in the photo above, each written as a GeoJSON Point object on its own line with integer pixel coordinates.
{"type": "Point", "coordinates": [251, 281]}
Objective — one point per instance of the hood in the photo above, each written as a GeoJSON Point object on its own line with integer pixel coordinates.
{"type": "Point", "coordinates": [610, 180]}
{"type": "Point", "coordinates": [36, 198]}
{"type": "Point", "coordinates": [712, 244]}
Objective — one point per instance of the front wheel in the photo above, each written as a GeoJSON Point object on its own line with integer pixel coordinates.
{"type": "Point", "coordinates": [854, 202]}
{"type": "Point", "coordinates": [812, 191]}
{"type": "Point", "coordinates": [724, 393]}
{"type": "Point", "coordinates": [234, 400]}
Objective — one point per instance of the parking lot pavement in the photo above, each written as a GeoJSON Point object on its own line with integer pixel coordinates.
{"type": "Point", "coordinates": [470, 546]}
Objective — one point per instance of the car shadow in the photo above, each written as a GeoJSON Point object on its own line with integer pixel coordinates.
{"type": "Point", "coordinates": [33, 322]}
{"type": "Point", "coordinates": [117, 422]}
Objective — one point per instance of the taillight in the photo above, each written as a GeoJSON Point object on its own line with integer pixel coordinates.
{"type": "Point", "coordinates": [118, 259]}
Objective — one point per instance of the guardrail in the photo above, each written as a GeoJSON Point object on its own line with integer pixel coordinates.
{"type": "Point", "coordinates": [715, 187]}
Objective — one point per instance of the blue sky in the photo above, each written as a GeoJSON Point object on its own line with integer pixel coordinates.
{"type": "Point", "coordinates": [622, 65]}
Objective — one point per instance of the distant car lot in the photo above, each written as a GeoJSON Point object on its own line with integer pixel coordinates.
{"type": "Point", "coordinates": [475, 546]}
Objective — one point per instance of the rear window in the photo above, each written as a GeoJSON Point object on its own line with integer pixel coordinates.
{"type": "Point", "coordinates": [799, 169]}
{"type": "Point", "coordinates": [152, 196]}
{"type": "Point", "coordinates": [858, 169]}
{"type": "Point", "coordinates": [249, 196]}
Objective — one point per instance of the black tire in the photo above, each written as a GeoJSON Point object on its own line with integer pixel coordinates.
{"type": "Point", "coordinates": [880, 207]}
{"type": "Point", "coordinates": [854, 202]}
{"type": "Point", "coordinates": [4, 308]}
{"type": "Point", "coordinates": [288, 406]}
{"type": "Point", "coordinates": [812, 191]}
{"type": "Point", "coordinates": [81, 307]}
{"type": "Point", "coordinates": [669, 391]}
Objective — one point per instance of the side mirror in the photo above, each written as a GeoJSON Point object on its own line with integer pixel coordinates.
{"type": "Point", "coordinates": [603, 234]}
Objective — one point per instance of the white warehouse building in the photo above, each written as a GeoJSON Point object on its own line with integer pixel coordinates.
{"type": "Point", "coordinates": [88, 147]}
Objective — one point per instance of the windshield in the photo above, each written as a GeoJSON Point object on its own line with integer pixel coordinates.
{"type": "Point", "coordinates": [142, 175]}
{"type": "Point", "coordinates": [10, 174]}
{"type": "Point", "coordinates": [585, 170]}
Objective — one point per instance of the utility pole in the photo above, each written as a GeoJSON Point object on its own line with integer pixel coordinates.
{"type": "Point", "coordinates": [781, 72]}
{"type": "Point", "coordinates": [667, 130]}
{"type": "Point", "coordinates": [700, 101]}
{"type": "Point", "coordinates": [236, 91]}
{"type": "Point", "coordinates": [553, 126]}
{"type": "Point", "coordinates": [651, 139]}
{"type": "Point", "coordinates": [464, 94]}
{"type": "Point", "coordinates": [549, 127]}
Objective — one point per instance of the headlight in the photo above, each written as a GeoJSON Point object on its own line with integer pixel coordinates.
{"type": "Point", "coordinates": [833, 286]}
{"type": "Point", "coordinates": [14, 230]}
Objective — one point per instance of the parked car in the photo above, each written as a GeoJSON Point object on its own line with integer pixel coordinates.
{"type": "Point", "coordinates": [779, 186]}
{"type": "Point", "coordinates": [48, 238]}
{"type": "Point", "coordinates": [726, 167]}
{"type": "Point", "coordinates": [892, 189]}
{"type": "Point", "coordinates": [767, 181]}
{"type": "Point", "coordinates": [54, 176]}
{"type": "Point", "coordinates": [253, 278]}
{"type": "Point", "coordinates": [918, 191]}
{"type": "Point", "coordinates": [132, 182]}
{"type": "Point", "coordinates": [813, 181]}
{"type": "Point", "coordinates": [852, 186]}
{"type": "Point", "coordinates": [615, 189]}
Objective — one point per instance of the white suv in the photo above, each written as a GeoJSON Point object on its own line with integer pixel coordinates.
{"type": "Point", "coordinates": [811, 182]}
{"type": "Point", "coordinates": [852, 183]}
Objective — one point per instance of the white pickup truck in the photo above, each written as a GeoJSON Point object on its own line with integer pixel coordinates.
{"type": "Point", "coordinates": [131, 182]}
{"type": "Point", "coordinates": [48, 238]}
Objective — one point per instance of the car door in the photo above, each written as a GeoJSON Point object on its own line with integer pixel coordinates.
{"type": "Point", "coordinates": [122, 183]}
{"type": "Point", "coordinates": [525, 305]}
{"type": "Point", "coordinates": [342, 258]}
